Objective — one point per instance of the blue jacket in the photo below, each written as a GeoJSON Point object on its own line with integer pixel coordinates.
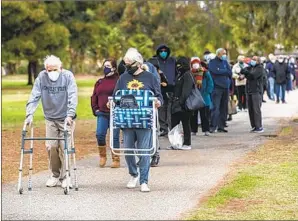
{"type": "Point", "coordinates": [269, 69]}
{"type": "Point", "coordinates": [207, 88]}
{"type": "Point", "coordinates": [221, 73]}
{"type": "Point", "coordinates": [168, 65]}
{"type": "Point", "coordinates": [153, 70]}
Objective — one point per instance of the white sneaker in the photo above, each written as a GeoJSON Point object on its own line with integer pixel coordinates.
{"type": "Point", "coordinates": [207, 133]}
{"type": "Point", "coordinates": [132, 182]}
{"type": "Point", "coordinates": [144, 187]}
{"type": "Point", "coordinates": [64, 184]}
{"type": "Point", "coordinates": [52, 182]}
{"type": "Point", "coordinates": [193, 134]}
{"type": "Point", "coordinates": [185, 147]}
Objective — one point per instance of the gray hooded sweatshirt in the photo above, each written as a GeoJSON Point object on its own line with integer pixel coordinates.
{"type": "Point", "coordinates": [59, 98]}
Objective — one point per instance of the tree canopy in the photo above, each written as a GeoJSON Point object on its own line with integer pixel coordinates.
{"type": "Point", "coordinates": [80, 30]}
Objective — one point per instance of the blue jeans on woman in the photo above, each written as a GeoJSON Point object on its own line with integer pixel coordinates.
{"type": "Point", "coordinates": [139, 139]}
{"type": "Point", "coordinates": [103, 123]}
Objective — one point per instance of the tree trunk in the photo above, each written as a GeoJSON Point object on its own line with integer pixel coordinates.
{"type": "Point", "coordinates": [32, 71]}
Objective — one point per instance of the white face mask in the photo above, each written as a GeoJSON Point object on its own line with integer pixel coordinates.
{"type": "Point", "coordinates": [53, 75]}
{"type": "Point", "coordinates": [196, 66]}
{"type": "Point", "coordinates": [292, 60]}
{"type": "Point", "coordinates": [280, 60]}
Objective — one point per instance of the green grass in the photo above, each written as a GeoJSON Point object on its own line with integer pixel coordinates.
{"type": "Point", "coordinates": [19, 82]}
{"type": "Point", "coordinates": [267, 190]}
{"type": "Point", "coordinates": [15, 94]}
{"type": "Point", "coordinates": [13, 112]}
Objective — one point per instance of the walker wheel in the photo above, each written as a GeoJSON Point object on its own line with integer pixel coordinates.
{"type": "Point", "coordinates": [66, 192]}
{"type": "Point", "coordinates": [21, 190]}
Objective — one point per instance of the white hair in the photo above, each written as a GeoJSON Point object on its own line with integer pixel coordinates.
{"type": "Point", "coordinates": [52, 60]}
{"type": "Point", "coordinates": [133, 55]}
{"type": "Point", "coordinates": [240, 58]}
{"type": "Point", "coordinates": [219, 50]}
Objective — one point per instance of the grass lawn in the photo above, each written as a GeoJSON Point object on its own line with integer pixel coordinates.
{"type": "Point", "coordinates": [262, 187]}
{"type": "Point", "coordinates": [15, 94]}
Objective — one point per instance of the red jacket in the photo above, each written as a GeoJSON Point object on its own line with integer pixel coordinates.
{"type": "Point", "coordinates": [103, 88]}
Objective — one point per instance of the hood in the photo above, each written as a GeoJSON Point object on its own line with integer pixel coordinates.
{"type": "Point", "coordinates": [163, 46]}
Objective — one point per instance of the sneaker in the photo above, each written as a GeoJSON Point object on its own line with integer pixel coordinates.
{"type": "Point", "coordinates": [253, 129]}
{"type": "Point", "coordinates": [53, 181]}
{"type": "Point", "coordinates": [220, 130]}
{"type": "Point", "coordinates": [171, 148]}
{"type": "Point", "coordinates": [132, 182]}
{"type": "Point", "coordinates": [185, 147]}
{"type": "Point", "coordinates": [207, 134]}
{"type": "Point", "coordinates": [193, 134]}
{"type": "Point", "coordinates": [64, 183]}
{"type": "Point", "coordinates": [144, 187]}
{"type": "Point", "coordinates": [259, 130]}
{"type": "Point", "coordinates": [155, 160]}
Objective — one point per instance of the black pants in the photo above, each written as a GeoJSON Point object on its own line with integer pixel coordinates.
{"type": "Point", "coordinates": [254, 102]}
{"type": "Point", "coordinates": [163, 115]}
{"type": "Point", "coordinates": [185, 118]}
{"type": "Point", "coordinates": [205, 116]}
{"type": "Point", "coordinates": [241, 97]}
{"type": "Point", "coordinates": [194, 121]}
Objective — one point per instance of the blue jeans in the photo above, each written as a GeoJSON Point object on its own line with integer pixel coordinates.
{"type": "Point", "coordinates": [219, 112]}
{"type": "Point", "coordinates": [281, 87]}
{"type": "Point", "coordinates": [139, 139]}
{"type": "Point", "coordinates": [271, 88]}
{"type": "Point", "coordinates": [103, 123]}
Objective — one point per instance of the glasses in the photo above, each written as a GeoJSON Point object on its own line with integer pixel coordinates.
{"type": "Point", "coordinates": [130, 65]}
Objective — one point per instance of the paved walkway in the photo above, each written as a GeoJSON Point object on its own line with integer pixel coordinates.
{"type": "Point", "coordinates": [176, 185]}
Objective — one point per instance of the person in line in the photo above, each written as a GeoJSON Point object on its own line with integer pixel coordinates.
{"type": "Point", "coordinates": [270, 76]}
{"type": "Point", "coordinates": [104, 88]}
{"type": "Point", "coordinates": [136, 78]}
{"type": "Point", "coordinates": [281, 75]}
{"type": "Point", "coordinates": [204, 83]}
{"type": "Point", "coordinates": [240, 82]}
{"type": "Point", "coordinates": [221, 73]}
{"type": "Point", "coordinates": [183, 86]}
{"type": "Point", "coordinates": [254, 89]}
{"type": "Point", "coordinates": [167, 66]}
{"type": "Point", "coordinates": [57, 89]}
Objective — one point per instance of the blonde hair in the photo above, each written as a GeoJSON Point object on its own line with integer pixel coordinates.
{"type": "Point", "coordinates": [133, 55]}
{"type": "Point", "coordinates": [52, 60]}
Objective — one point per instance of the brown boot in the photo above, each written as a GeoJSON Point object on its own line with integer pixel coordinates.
{"type": "Point", "coordinates": [102, 156]}
{"type": "Point", "coordinates": [116, 160]}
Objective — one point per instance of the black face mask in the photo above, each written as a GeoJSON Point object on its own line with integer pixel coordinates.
{"type": "Point", "coordinates": [181, 69]}
{"type": "Point", "coordinates": [131, 70]}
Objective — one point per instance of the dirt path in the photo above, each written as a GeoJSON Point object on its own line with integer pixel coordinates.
{"type": "Point", "coordinates": [85, 143]}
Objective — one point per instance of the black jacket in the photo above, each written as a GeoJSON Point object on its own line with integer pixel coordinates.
{"type": "Point", "coordinates": [183, 85]}
{"type": "Point", "coordinates": [254, 76]}
{"type": "Point", "coordinates": [281, 72]}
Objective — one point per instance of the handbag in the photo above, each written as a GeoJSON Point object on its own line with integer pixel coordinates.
{"type": "Point", "coordinates": [195, 100]}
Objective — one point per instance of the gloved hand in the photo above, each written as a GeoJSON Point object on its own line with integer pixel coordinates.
{"type": "Point", "coordinates": [29, 119]}
{"type": "Point", "coordinates": [68, 120]}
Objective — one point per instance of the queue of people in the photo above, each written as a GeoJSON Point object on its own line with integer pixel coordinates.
{"type": "Point", "coordinates": [171, 80]}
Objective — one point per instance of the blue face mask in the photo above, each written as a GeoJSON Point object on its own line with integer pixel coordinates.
{"type": "Point", "coordinates": [253, 63]}
{"type": "Point", "coordinates": [107, 70]}
{"type": "Point", "coordinates": [163, 54]}
{"type": "Point", "coordinates": [224, 57]}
